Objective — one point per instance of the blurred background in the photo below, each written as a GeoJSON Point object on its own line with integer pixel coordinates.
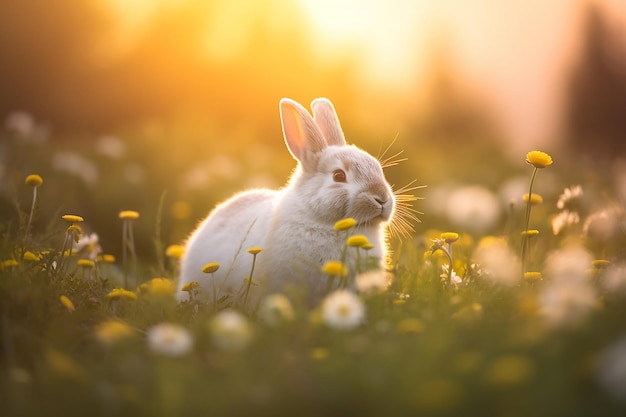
{"type": "Point", "coordinates": [169, 106]}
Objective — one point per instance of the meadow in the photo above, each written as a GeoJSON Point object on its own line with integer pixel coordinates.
{"type": "Point", "coordinates": [512, 308]}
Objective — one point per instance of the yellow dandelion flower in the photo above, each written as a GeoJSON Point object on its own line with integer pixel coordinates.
{"type": "Point", "coordinates": [345, 224]}
{"type": "Point", "coordinates": [530, 233]}
{"type": "Point", "coordinates": [533, 276]}
{"type": "Point", "coordinates": [190, 286]}
{"type": "Point", "coordinates": [175, 251]}
{"type": "Point", "coordinates": [255, 250]}
{"type": "Point", "coordinates": [538, 159]}
{"type": "Point", "coordinates": [129, 214]}
{"type": "Point", "coordinates": [31, 257]}
{"type": "Point", "coordinates": [158, 286]}
{"type": "Point", "coordinates": [335, 268]}
{"type": "Point", "coordinates": [117, 293]}
{"type": "Point", "coordinates": [34, 180]}
{"type": "Point", "coordinates": [72, 218]}
{"type": "Point", "coordinates": [600, 263]}
{"type": "Point", "coordinates": [535, 199]}
{"type": "Point", "coordinates": [210, 267]}
{"type": "Point", "coordinates": [357, 241]}
{"type": "Point", "coordinates": [112, 331]}
{"type": "Point", "coordinates": [368, 246]}
{"type": "Point", "coordinates": [106, 258]}
{"type": "Point", "coordinates": [449, 237]}
{"type": "Point", "coordinates": [86, 263]}
{"type": "Point", "coordinates": [67, 303]}
{"type": "Point", "coordinates": [10, 263]}
{"type": "Point", "coordinates": [76, 229]}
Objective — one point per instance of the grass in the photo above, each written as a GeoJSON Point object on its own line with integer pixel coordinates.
{"type": "Point", "coordinates": [72, 343]}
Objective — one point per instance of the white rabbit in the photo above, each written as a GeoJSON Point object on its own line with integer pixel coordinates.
{"type": "Point", "coordinates": [294, 225]}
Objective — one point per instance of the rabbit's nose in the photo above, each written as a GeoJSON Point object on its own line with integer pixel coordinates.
{"type": "Point", "coordinates": [381, 200]}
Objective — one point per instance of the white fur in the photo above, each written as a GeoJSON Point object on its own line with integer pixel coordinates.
{"type": "Point", "coordinates": [294, 225]}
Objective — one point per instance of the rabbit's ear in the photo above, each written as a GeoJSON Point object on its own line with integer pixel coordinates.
{"type": "Point", "coordinates": [302, 136]}
{"type": "Point", "coordinates": [328, 122]}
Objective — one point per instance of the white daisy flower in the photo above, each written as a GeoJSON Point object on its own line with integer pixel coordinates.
{"type": "Point", "coordinates": [276, 309]}
{"type": "Point", "coordinates": [170, 339]}
{"type": "Point", "coordinates": [372, 282]}
{"type": "Point", "coordinates": [230, 330]}
{"type": "Point", "coordinates": [342, 309]}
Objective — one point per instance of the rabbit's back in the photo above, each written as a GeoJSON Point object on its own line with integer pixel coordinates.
{"type": "Point", "coordinates": [224, 237]}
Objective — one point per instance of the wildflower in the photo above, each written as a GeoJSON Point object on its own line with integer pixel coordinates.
{"type": "Point", "coordinates": [534, 199]}
{"type": "Point", "coordinates": [357, 241]}
{"type": "Point", "coordinates": [367, 246]}
{"type": "Point", "coordinates": [533, 277]}
{"type": "Point", "coordinates": [613, 277]}
{"type": "Point", "coordinates": [600, 263]}
{"type": "Point", "coordinates": [604, 225]}
{"type": "Point", "coordinates": [169, 339]}
{"type": "Point", "coordinates": [107, 258]}
{"type": "Point", "coordinates": [86, 263]}
{"type": "Point", "coordinates": [564, 220]}
{"type": "Point", "coordinates": [569, 263]}
{"type": "Point", "coordinates": [158, 287]}
{"type": "Point", "coordinates": [110, 332]}
{"type": "Point", "coordinates": [128, 214]}
{"type": "Point", "coordinates": [175, 251]}
{"type": "Point", "coordinates": [373, 281]}
{"type": "Point", "coordinates": [335, 268]}
{"type": "Point", "coordinates": [255, 250]}
{"type": "Point", "coordinates": [128, 239]}
{"type": "Point", "coordinates": [210, 267]}
{"type": "Point", "coordinates": [230, 330]}
{"type": "Point", "coordinates": [538, 159]}
{"type": "Point", "coordinates": [570, 198]}
{"type": "Point", "coordinates": [88, 244]}
{"type": "Point", "coordinates": [276, 309]}
{"type": "Point", "coordinates": [345, 224]}
{"type": "Point", "coordinates": [34, 180]}
{"type": "Point", "coordinates": [450, 275]}
{"type": "Point", "coordinates": [473, 208]}
{"type": "Point", "coordinates": [449, 237]}
{"type": "Point", "coordinates": [72, 218]}
{"type": "Point", "coordinates": [67, 303]}
{"type": "Point", "coordinates": [498, 261]}
{"type": "Point", "coordinates": [610, 370]}
{"type": "Point", "coordinates": [30, 257]}
{"type": "Point", "coordinates": [190, 286]}
{"type": "Point", "coordinates": [343, 310]}
{"type": "Point", "coordinates": [565, 302]}
{"type": "Point", "coordinates": [118, 293]}
{"type": "Point", "coordinates": [10, 263]}
{"type": "Point", "coordinates": [530, 233]}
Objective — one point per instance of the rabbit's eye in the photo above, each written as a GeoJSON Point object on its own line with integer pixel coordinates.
{"type": "Point", "coordinates": [339, 175]}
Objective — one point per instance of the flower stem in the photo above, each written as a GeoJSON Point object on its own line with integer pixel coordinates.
{"type": "Point", "coordinates": [528, 205]}
{"type": "Point", "coordinates": [245, 299]}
